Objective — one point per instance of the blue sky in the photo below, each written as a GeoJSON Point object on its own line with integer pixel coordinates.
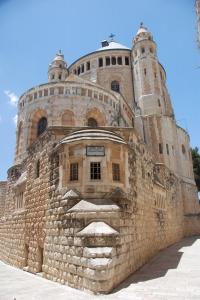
{"type": "Point", "coordinates": [31, 32]}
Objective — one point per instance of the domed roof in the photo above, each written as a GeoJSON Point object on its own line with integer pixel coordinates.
{"type": "Point", "coordinates": [142, 29]}
{"type": "Point", "coordinates": [59, 56]}
{"type": "Point", "coordinates": [92, 134]}
{"type": "Point", "coordinates": [112, 45]}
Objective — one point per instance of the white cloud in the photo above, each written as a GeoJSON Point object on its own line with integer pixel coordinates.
{"type": "Point", "coordinates": [15, 119]}
{"type": "Point", "coordinates": [13, 98]}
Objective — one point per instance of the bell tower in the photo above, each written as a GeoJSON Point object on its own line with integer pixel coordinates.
{"type": "Point", "coordinates": [151, 94]}
{"type": "Point", "coordinates": [58, 69]}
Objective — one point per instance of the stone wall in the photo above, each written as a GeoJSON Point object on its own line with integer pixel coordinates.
{"type": "Point", "coordinates": [90, 243]}
{"type": "Point", "coordinates": [3, 186]}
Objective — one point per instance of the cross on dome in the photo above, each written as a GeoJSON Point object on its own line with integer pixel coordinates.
{"type": "Point", "coordinates": [111, 37]}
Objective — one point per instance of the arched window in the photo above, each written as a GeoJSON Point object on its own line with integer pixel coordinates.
{"type": "Point", "coordinates": [92, 122]}
{"type": "Point", "coordinates": [183, 149]}
{"type": "Point", "coordinates": [41, 126]}
{"type": "Point", "coordinates": [115, 86]}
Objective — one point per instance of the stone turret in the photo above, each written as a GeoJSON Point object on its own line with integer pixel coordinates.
{"type": "Point", "coordinates": [149, 76]}
{"type": "Point", "coordinates": [58, 69]}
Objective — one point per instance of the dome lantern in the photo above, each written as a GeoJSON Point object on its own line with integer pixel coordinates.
{"type": "Point", "coordinates": [58, 68]}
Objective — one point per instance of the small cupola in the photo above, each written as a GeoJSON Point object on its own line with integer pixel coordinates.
{"type": "Point", "coordinates": [142, 34]}
{"type": "Point", "coordinates": [58, 68]}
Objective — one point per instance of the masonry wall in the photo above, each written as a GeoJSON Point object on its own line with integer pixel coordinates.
{"type": "Point", "coordinates": [22, 230]}
{"type": "Point", "coordinates": [3, 186]}
{"type": "Point", "coordinates": [48, 235]}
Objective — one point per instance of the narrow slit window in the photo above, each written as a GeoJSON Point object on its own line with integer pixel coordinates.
{"type": "Point", "coordinates": [37, 169]}
{"type": "Point", "coordinates": [167, 148]}
{"type": "Point", "coordinates": [160, 148]}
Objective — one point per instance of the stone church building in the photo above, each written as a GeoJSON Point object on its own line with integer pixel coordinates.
{"type": "Point", "coordinates": [102, 176]}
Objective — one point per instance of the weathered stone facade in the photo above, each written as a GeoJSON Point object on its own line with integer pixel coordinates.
{"type": "Point", "coordinates": [103, 175]}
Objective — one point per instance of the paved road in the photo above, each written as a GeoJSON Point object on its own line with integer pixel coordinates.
{"type": "Point", "coordinates": [174, 274]}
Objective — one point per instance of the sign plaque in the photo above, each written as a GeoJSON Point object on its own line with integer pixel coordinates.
{"type": "Point", "coordinates": [95, 151]}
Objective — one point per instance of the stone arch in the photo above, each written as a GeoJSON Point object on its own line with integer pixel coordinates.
{"type": "Point", "coordinates": [19, 137]}
{"type": "Point", "coordinates": [97, 115]}
{"type": "Point", "coordinates": [35, 117]}
{"type": "Point", "coordinates": [67, 118]}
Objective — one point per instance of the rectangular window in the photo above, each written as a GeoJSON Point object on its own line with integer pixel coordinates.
{"type": "Point", "coordinates": [116, 172]}
{"type": "Point", "coordinates": [35, 95]}
{"type": "Point", "coordinates": [126, 60]}
{"type": "Point", "coordinates": [73, 171]}
{"type": "Point", "coordinates": [100, 62]}
{"type": "Point", "coordinates": [107, 61]}
{"type": "Point", "coordinates": [145, 72]}
{"type": "Point", "coordinates": [88, 66]}
{"type": "Point", "coordinates": [95, 170]}
{"type": "Point", "coordinates": [45, 92]}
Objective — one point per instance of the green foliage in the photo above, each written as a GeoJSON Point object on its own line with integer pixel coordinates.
{"type": "Point", "coordinates": [196, 166]}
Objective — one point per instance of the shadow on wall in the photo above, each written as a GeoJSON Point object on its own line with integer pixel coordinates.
{"type": "Point", "coordinates": [164, 261]}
